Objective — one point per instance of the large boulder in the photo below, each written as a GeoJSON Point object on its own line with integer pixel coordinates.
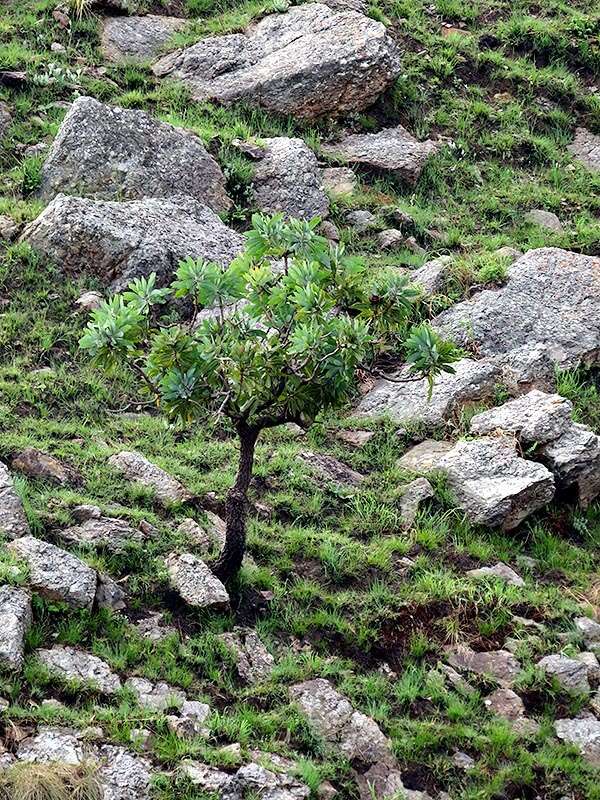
{"type": "Point", "coordinates": [533, 417]}
{"type": "Point", "coordinates": [309, 62]}
{"type": "Point", "coordinates": [13, 521]}
{"type": "Point", "coordinates": [136, 467]}
{"type": "Point", "coordinates": [121, 241]}
{"type": "Point", "coordinates": [108, 152]}
{"type": "Point", "coordinates": [137, 38]}
{"type": "Point", "coordinates": [70, 664]}
{"type": "Point", "coordinates": [15, 619]}
{"type": "Point", "coordinates": [392, 150]}
{"type": "Point", "coordinates": [585, 147]}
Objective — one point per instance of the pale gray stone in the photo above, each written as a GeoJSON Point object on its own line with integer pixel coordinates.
{"type": "Point", "coordinates": [338, 181]}
{"type": "Point", "coordinates": [155, 696]}
{"type": "Point", "coordinates": [381, 782]}
{"type": "Point", "coordinates": [52, 744]}
{"type": "Point", "coordinates": [254, 663]}
{"type": "Point", "coordinates": [590, 630]}
{"type": "Point", "coordinates": [5, 119]}
{"type": "Point", "coordinates": [574, 458]}
{"type": "Point", "coordinates": [108, 152]}
{"type": "Point", "coordinates": [535, 417]}
{"type": "Point", "coordinates": [76, 665]}
{"type": "Point", "coordinates": [414, 494]}
{"type": "Point", "coordinates": [432, 277]}
{"type": "Point", "coordinates": [330, 469]}
{"type": "Point", "coordinates": [584, 733]}
{"type": "Point", "coordinates": [585, 147]}
{"type": "Point", "coordinates": [89, 301]}
{"type": "Point", "coordinates": [425, 456]}
{"type": "Point", "coordinates": [570, 673]}
{"type": "Point", "coordinates": [15, 619]}
{"type": "Point", "coordinates": [123, 775]}
{"type": "Point", "coordinates": [56, 574]}
{"type": "Point", "coordinates": [191, 720]}
{"type": "Point", "coordinates": [390, 239]}
{"type": "Point", "coordinates": [500, 665]}
{"type": "Point", "coordinates": [110, 532]}
{"type": "Point", "coordinates": [8, 228]}
{"type": "Point", "coordinates": [109, 594]}
{"type": "Point", "coordinates": [545, 219]}
{"type": "Point", "coordinates": [499, 570]}
{"type": "Point", "coordinates": [509, 253]}
{"type": "Point", "coordinates": [13, 521]}
{"type": "Point", "coordinates": [308, 62]}
{"type": "Point", "coordinates": [194, 581]}
{"type": "Point", "coordinates": [361, 220]}
{"type": "Point", "coordinates": [208, 778]}
{"type": "Point", "coordinates": [255, 780]}
{"type": "Point", "coordinates": [152, 627]}
{"type": "Point", "coordinates": [137, 38]}
{"type": "Point", "coordinates": [136, 467]}
{"type": "Point", "coordinates": [355, 438]}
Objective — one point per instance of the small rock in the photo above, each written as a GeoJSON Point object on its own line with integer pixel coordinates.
{"type": "Point", "coordinates": [135, 467]}
{"type": "Point", "coordinates": [361, 220]}
{"type": "Point", "coordinates": [570, 674]}
{"type": "Point", "coordinates": [151, 627]}
{"type": "Point", "coordinates": [123, 775]}
{"type": "Point", "coordinates": [89, 301]}
{"type": "Point", "coordinates": [338, 181]}
{"type": "Point", "coordinates": [191, 720]}
{"type": "Point", "coordinates": [253, 661]}
{"type": "Point", "coordinates": [194, 581]}
{"type": "Point", "coordinates": [355, 438]}
{"type": "Point", "coordinates": [574, 458]}
{"type": "Point", "coordinates": [390, 239]}
{"type": "Point", "coordinates": [463, 761]}
{"type": "Point", "coordinates": [432, 277]}
{"type": "Point", "coordinates": [414, 494]}
{"type": "Point", "coordinates": [509, 253]}
{"type": "Point", "coordinates": [507, 704]}
{"type": "Point", "coordinates": [13, 521]}
{"type": "Point", "coordinates": [109, 594]}
{"type": "Point", "coordinates": [590, 630]}
{"type": "Point", "coordinates": [137, 38]}
{"type": "Point", "coordinates": [500, 665]}
{"type": "Point", "coordinates": [5, 119]}
{"type": "Point", "coordinates": [155, 697]}
{"type": "Point", "coordinates": [585, 147]}
{"type": "Point", "coordinates": [329, 231]}
{"type": "Point", "coordinates": [15, 619]}
{"type": "Point", "coordinates": [8, 228]}
{"type": "Point", "coordinates": [545, 219]}
{"type": "Point", "coordinates": [584, 733]}
{"type": "Point", "coordinates": [114, 534]}
{"type": "Point", "coordinates": [75, 665]}
{"type": "Point", "coordinates": [499, 570]}
{"type": "Point", "coordinates": [330, 469]}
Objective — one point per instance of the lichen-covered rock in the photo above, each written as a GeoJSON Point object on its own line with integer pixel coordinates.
{"type": "Point", "coordinates": [108, 152]}
{"type": "Point", "coordinates": [308, 62]}
{"type": "Point", "coordinates": [155, 696]}
{"type": "Point", "coordinates": [534, 417]}
{"type": "Point", "coordinates": [253, 661]}
{"type": "Point", "coordinates": [501, 571]}
{"type": "Point", "coordinates": [119, 241]}
{"type": "Point", "coordinates": [255, 780]}
{"type": "Point", "coordinates": [76, 665]}
{"type": "Point", "coordinates": [500, 665]}
{"type": "Point", "coordinates": [52, 744]}
{"type": "Point", "coordinates": [574, 458]}
{"type": "Point", "coordinates": [136, 467]}
{"type": "Point", "coordinates": [414, 494]}
{"type": "Point", "coordinates": [194, 581]}
{"type": "Point", "coordinates": [56, 574]}
{"type": "Point", "coordinates": [123, 775]}
{"type": "Point", "coordinates": [109, 532]}
{"type": "Point", "coordinates": [13, 521]}
{"type": "Point", "coordinates": [330, 469]}
{"type": "Point", "coordinates": [15, 619]}
{"type": "Point", "coordinates": [392, 150]}
{"type": "Point", "coordinates": [584, 733]}
{"type": "Point", "coordinates": [287, 179]}
{"type": "Point", "coordinates": [432, 277]}
{"type": "Point", "coordinates": [585, 147]}
{"type": "Point", "coordinates": [137, 38]}
{"type": "Point", "coordinates": [570, 673]}
{"type": "Point", "coordinates": [492, 484]}
{"type": "Point", "coordinates": [338, 181]}
{"type": "Point", "coordinates": [37, 464]}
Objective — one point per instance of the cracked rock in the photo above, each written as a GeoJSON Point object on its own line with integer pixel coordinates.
{"type": "Point", "coordinates": [570, 673]}
{"type": "Point", "coordinates": [15, 619]}
{"type": "Point", "coordinates": [123, 775]}
{"type": "Point", "coordinates": [195, 583]}
{"type": "Point", "coordinates": [75, 665]}
{"type": "Point", "coordinates": [574, 458]}
{"type": "Point", "coordinates": [136, 467]}
{"type": "Point", "coordinates": [254, 663]}
{"type": "Point", "coordinates": [13, 521]}
{"type": "Point", "coordinates": [533, 417]}
{"type": "Point", "coordinates": [51, 744]}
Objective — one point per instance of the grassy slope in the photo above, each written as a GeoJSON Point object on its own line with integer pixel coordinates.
{"type": "Point", "coordinates": [509, 92]}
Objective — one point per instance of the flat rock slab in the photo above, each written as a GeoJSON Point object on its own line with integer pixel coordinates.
{"type": "Point", "coordinates": [409, 402]}
{"type": "Point", "coordinates": [75, 665]}
{"type": "Point", "coordinates": [195, 583]}
{"type": "Point", "coordinates": [308, 62]}
{"type": "Point", "coordinates": [393, 150]}
{"type": "Point", "coordinates": [121, 241]}
{"type": "Point", "coordinates": [330, 469]}
{"type": "Point", "coordinates": [56, 574]}
{"type": "Point", "coordinates": [492, 484]}
{"type": "Point", "coordinates": [15, 619]}
{"type": "Point", "coordinates": [584, 733]}
{"type": "Point", "coordinates": [116, 535]}
{"type": "Point", "coordinates": [136, 467]}
{"type": "Point", "coordinates": [585, 147]}
{"type": "Point", "coordinates": [108, 152]}
{"type": "Point", "coordinates": [287, 179]}
{"type": "Point", "coordinates": [500, 665]}
{"type": "Point", "coordinates": [13, 521]}
{"type": "Point", "coordinates": [254, 663]}
{"type": "Point", "coordinates": [534, 417]}
{"type": "Point", "coordinates": [137, 38]}
{"type": "Point", "coordinates": [570, 673]}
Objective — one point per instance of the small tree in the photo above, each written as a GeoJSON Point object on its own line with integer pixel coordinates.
{"type": "Point", "coordinates": [276, 337]}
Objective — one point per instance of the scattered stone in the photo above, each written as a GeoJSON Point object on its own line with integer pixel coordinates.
{"type": "Point", "coordinates": [137, 38]}
{"type": "Point", "coordinates": [501, 571]}
{"type": "Point", "coordinates": [574, 458]}
{"type": "Point", "coordinates": [500, 665]}
{"type": "Point", "coordinates": [330, 469]}
{"type": "Point", "coordinates": [253, 780]}
{"type": "Point", "coordinates": [414, 494]}
{"type": "Point", "coordinates": [338, 181]}
{"type": "Point", "coordinates": [13, 521]}
{"type": "Point", "coordinates": [570, 674]}
{"type": "Point", "coordinates": [155, 696]}
{"type": "Point", "coordinates": [109, 532]}
{"type": "Point", "coordinates": [123, 775]}
{"type": "Point", "coordinates": [545, 219]}
{"type": "Point", "coordinates": [534, 417]}
{"type": "Point", "coordinates": [385, 782]}
{"type": "Point", "coordinates": [361, 220]}
{"type": "Point", "coordinates": [585, 147]}
{"type": "Point", "coordinates": [329, 230]}
{"type": "Point", "coordinates": [509, 253]}
{"type": "Point", "coordinates": [507, 704]}
{"type": "Point", "coordinates": [8, 228]}
{"type": "Point", "coordinates": [253, 661]}
{"type": "Point", "coordinates": [390, 239]}
{"type": "Point", "coordinates": [425, 456]}
{"type": "Point", "coordinates": [207, 778]}
{"type": "Point", "coordinates": [196, 584]}
{"type": "Point", "coordinates": [287, 179]}
{"type": "Point", "coordinates": [391, 150]}
{"type": "Point", "coordinates": [15, 619]}
{"type": "Point", "coordinates": [454, 679]}
{"type": "Point", "coordinates": [52, 744]}
{"type": "Point", "coordinates": [136, 467]}
{"type": "Point", "coordinates": [152, 627]}
{"type": "Point", "coordinates": [584, 733]}
{"type": "Point", "coordinates": [191, 720]}
{"type": "Point", "coordinates": [105, 151]}
{"type": "Point", "coordinates": [308, 62]}
{"type": "Point", "coordinates": [432, 277]}
{"type": "Point", "coordinates": [109, 594]}
{"type": "Point", "coordinates": [355, 438]}
{"type": "Point", "coordinates": [590, 630]}
{"type": "Point", "coordinates": [75, 665]}
{"type": "Point", "coordinates": [5, 120]}
{"type": "Point", "coordinates": [124, 240]}
{"type": "Point", "coordinates": [463, 761]}
{"type": "Point", "coordinates": [492, 484]}
{"type": "Point", "coordinates": [89, 301]}
{"type": "Point", "coordinates": [56, 574]}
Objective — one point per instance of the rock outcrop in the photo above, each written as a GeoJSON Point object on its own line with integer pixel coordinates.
{"type": "Point", "coordinates": [137, 38]}
{"type": "Point", "coordinates": [75, 665]}
{"type": "Point", "coordinates": [15, 619]}
{"type": "Point", "coordinates": [13, 521]}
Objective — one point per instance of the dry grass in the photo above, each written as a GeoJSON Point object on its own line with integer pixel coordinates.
{"type": "Point", "coordinates": [49, 782]}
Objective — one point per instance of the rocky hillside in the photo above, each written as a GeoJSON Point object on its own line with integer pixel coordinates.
{"type": "Point", "coordinates": [418, 615]}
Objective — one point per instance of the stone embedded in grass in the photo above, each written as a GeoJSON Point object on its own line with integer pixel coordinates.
{"type": "Point", "coordinates": [492, 484]}
{"type": "Point", "coordinates": [37, 464]}
{"type": "Point", "coordinates": [338, 181]}
{"type": "Point", "coordinates": [15, 619]}
{"type": "Point", "coordinates": [254, 663]}
{"type": "Point", "coordinates": [590, 630]}
{"type": "Point", "coordinates": [533, 417]}
{"type": "Point", "coordinates": [56, 574]}
{"type": "Point", "coordinates": [501, 571]}
{"type": "Point", "coordinates": [109, 532]}
{"type": "Point", "coordinates": [308, 62]}
{"type": "Point", "coordinates": [500, 665]}
{"type": "Point", "coordinates": [384, 781]}
{"type": "Point", "coordinates": [5, 120]}
{"type": "Point", "coordinates": [137, 38]}
{"type": "Point", "coordinates": [13, 521]}
{"type": "Point", "coordinates": [393, 150]}
{"type": "Point", "coordinates": [424, 457]}
{"type": "Point", "coordinates": [119, 241]}
{"type": "Point", "coordinates": [53, 744]}
{"type": "Point", "coordinates": [570, 673]}
{"type": "Point", "coordinates": [355, 438]}
{"type": "Point", "coordinates": [109, 594]}
{"type": "Point", "coordinates": [508, 705]}
{"type": "Point", "coordinates": [330, 469]}
{"type": "Point", "coordinates": [390, 239]}
{"type": "Point", "coordinates": [136, 467]}
{"type": "Point", "coordinates": [195, 583]}
{"type": "Point", "coordinates": [155, 696]}
{"type": "Point", "coordinates": [123, 775]}
{"type": "Point", "coordinates": [191, 721]}
{"type": "Point", "coordinates": [585, 147]}
{"type": "Point", "coordinates": [414, 494]}
{"type": "Point", "coordinates": [152, 627]}
{"type": "Point", "coordinates": [75, 665]}
{"type": "Point", "coordinates": [208, 539]}
{"type": "Point", "coordinates": [584, 733]}
{"type": "Point", "coordinates": [574, 458]}
{"type": "Point", "coordinates": [545, 219]}
{"type": "Point", "coordinates": [251, 780]}
{"type": "Point", "coordinates": [361, 220]}
{"type": "Point", "coordinates": [432, 277]}
{"type": "Point", "coordinates": [108, 152]}
{"type": "Point", "coordinates": [208, 778]}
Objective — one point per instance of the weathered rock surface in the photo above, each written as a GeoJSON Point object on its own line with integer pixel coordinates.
{"type": "Point", "coordinates": [585, 733]}
{"type": "Point", "coordinates": [414, 494]}
{"type": "Point", "coordinates": [432, 277]}
{"type": "Point", "coordinates": [287, 179]}
{"type": "Point", "coordinates": [499, 570]}
{"type": "Point", "coordinates": [5, 120]}
{"type": "Point", "coordinates": [136, 467]}
{"type": "Point", "coordinates": [109, 532]}
{"type": "Point", "coordinates": [545, 219]}
{"type": "Point", "coordinates": [119, 241]}
{"type": "Point", "coordinates": [392, 150]}
{"type": "Point", "coordinates": [155, 696]}
{"type": "Point", "coordinates": [574, 458]}
{"type": "Point", "coordinates": [308, 62]}
{"type": "Point", "coordinates": [330, 469]}
{"type": "Point", "coordinates": [37, 464]}
{"type": "Point", "coordinates": [109, 594]}
{"type": "Point", "coordinates": [425, 456]}
{"type": "Point", "coordinates": [507, 704]}
{"type": "Point", "coordinates": [123, 775]}
{"type": "Point", "coordinates": [254, 663]}
{"type": "Point", "coordinates": [75, 665]}
{"type": "Point", "coordinates": [137, 38]}
{"type": "Point", "coordinates": [191, 720]}
{"type": "Point", "coordinates": [494, 486]}
{"type": "Point", "coordinates": [194, 581]}
{"type": "Point", "coordinates": [56, 574]}
{"type": "Point", "coordinates": [52, 744]}
{"type": "Point", "coordinates": [15, 619]}
{"type": "Point", "coordinates": [570, 673]}
{"type": "Point", "coordinates": [390, 239]}
{"type": "Point", "coordinates": [590, 630]}
{"type": "Point", "coordinates": [361, 220]}
{"type": "Point", "coordinates": [338, 181]}
{"type": "Point", "coordinates": [498, 664]}
{"type": "Point", "coordinates": [533, 417]}
{"type": "Point", "coordinates": [13, 521]}
{"type": "Point", "coordinates": [108, 152]}
{"type": "Point", "coordinates": [250, 780]}
{"type": "Point", "coordinates": [585, 147]}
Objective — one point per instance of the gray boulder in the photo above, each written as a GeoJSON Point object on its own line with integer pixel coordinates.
{"type": "Point", "coordinates": [195, 583]}
{"type": "Point", "coordinates": [534, 417]}
{"type": "Point", "coordinates": [254, 663]}
{"type": "Point", "coordinates": [501, 571]}
{"type": "Point", "coordinates": [287, 179]}
{"type": "Point", "coordinates": [52, 744]}
{"type": "Point", "coordinates": [414, 494]}
{"type": "Point", "coordinates": [15, 619]}
{"type": "Point", "coordinates": [56, 574]}
{"type": "Point", "coordinates": [136, 467]}
{"type": "Point", "coordinates": [13, 521]}
{"type": "Point", "coordinates": [155, 696]}
{"type": "Point", "coordinates": [492, 484]}
{"type": "Point", "coordinates": [570, 673]}
{"type": "Point", "coordinates": [308, 62]}
{"type": "Point", "coordinates": [108, 152]}
{"type": "Point", "coordinates": [112, 533]}
{"type": "Point", "coordinates": [584, 734]}
{"type": "Point", "coordinates": [137, 38]}
{"type": "Point", "coordinates": [330, 469]}
{"type": "Point", "coordinates": [392, 150]}
{"type": "Point", "coordinates": [585, 147]}
{"type": "Point", "coordinates": [75, 665]}
{"type": "Point", "coordinates": [390, 239]}
{"type": "Point", "coordinates": [574, 458]}
{"type": "Point", "coordinates": [500, 665]}
{"type": "Point", "coordinates": [120, 241]}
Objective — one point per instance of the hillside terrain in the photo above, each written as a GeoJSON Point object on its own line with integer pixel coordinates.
{"type": "Point", "coordinates": [418, 611]}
